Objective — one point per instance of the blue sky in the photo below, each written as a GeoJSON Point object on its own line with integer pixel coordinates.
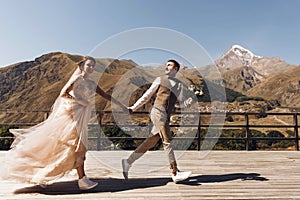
{"type": "Point", "coordinates": [31, 28]}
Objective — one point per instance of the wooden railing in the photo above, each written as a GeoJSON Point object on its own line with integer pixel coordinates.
{"type": "Point", "coordinates": [245, 123]}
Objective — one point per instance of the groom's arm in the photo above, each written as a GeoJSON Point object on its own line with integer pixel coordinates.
{"type": "Point", "coordinates": [147, 95]}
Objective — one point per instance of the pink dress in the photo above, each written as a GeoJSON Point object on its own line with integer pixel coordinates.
{"type": "Point", "coordinates": [47, 151]}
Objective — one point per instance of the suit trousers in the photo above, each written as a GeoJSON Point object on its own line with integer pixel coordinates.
{"type": "Point", "coordinates": [160, 130]}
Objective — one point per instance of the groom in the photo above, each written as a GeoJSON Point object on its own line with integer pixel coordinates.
{"type": "Point", "coordinates": [168, 92]}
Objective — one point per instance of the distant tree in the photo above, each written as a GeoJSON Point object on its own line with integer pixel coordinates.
{"type": "Point", "coordinates": [273, 103]}
{"type": "Point", "coordinates": [273, 134]}
{"type": "Point", "coordinates": [115, 131]}
{"type": "Point", "coordinates": [257, 144]}
{"type": "Point", "coordinates": [262, 113]}
{"type": "Point", "coordinates": [278, 143]}
{"type": "Point", "coordinates": [229, 118]}
{"type": "Point", "coordinates": [234, 144]}
{"type": "Point", "coordinates": [6, 138]}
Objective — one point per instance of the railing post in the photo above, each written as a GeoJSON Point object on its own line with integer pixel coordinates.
{"type": "Point", "coordinates": [296, 132]}
{"type": "Point", "coordinates": [99, 132]}
{"type": "Point", "coordinates": [247, 131]}
{"type": "Point", "coordinates": [198, 133]}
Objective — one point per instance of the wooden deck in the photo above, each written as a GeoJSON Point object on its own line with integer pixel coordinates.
{"type": "Point", "coordinates": [216, 175]}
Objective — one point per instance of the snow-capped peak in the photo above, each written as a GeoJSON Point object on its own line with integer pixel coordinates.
{"type": "Point", "coordinates": [244, 55]}
{"type": "Point", "coordinates": [240, 51]}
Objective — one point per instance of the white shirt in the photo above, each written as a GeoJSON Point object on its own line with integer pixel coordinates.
{"type": "Point", "coordinates": [149, 93]}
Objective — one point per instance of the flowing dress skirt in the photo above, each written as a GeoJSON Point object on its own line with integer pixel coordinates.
{"type": "Point", "coordinates": [49, 150]}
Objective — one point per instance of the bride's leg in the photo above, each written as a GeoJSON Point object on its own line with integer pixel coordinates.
{"type": "Point", "coordinates": [80, 171]}
{"type": "Point", "coordinates": [84, 182]}
{"type": "Point", "coordinates": [80, 158]}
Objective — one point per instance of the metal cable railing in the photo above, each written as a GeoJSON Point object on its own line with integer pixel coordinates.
{"type": "Point", "coordinates": [245, 122]}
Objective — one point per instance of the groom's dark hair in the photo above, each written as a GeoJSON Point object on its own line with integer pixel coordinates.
{"type": "Point", "coordinates": [176, 64]}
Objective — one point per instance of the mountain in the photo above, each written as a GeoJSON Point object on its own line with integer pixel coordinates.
{"type": "Point", "coordinates": [242, 79]}
{"type": "Point", "coordinates": [253, 75]}
{"type": "Point", "coordinates": [284, 87]}
{"type": "Point", "coordinates": [38, 79]}
{"type": "Point", "coordinates": [237, 56]}
{"type": "Point", "coordinates": [34, 85]}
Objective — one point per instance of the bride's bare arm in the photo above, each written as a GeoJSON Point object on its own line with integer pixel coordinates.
{"type": "Point", "coordinates": [109, 98]}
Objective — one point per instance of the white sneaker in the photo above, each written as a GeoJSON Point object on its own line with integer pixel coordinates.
{"type": "Point", "coordinates": [181, 176]}
{"type": "Point", "coordinates": [125, 166]}
{"type": "Point", "coordinates": [85, 183]}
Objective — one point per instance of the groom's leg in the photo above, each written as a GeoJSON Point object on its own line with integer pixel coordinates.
{"type": "Point", "coordinates": [149, 143]}
{"type": "Point", "coordinates": [166, 137]}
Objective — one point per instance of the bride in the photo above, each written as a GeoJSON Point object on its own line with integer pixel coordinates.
{"type": "Point", "coordinates": [47, 151]}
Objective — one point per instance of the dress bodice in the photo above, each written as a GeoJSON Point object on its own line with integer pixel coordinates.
{"type": "Point", "coordinates": [84, 88]}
